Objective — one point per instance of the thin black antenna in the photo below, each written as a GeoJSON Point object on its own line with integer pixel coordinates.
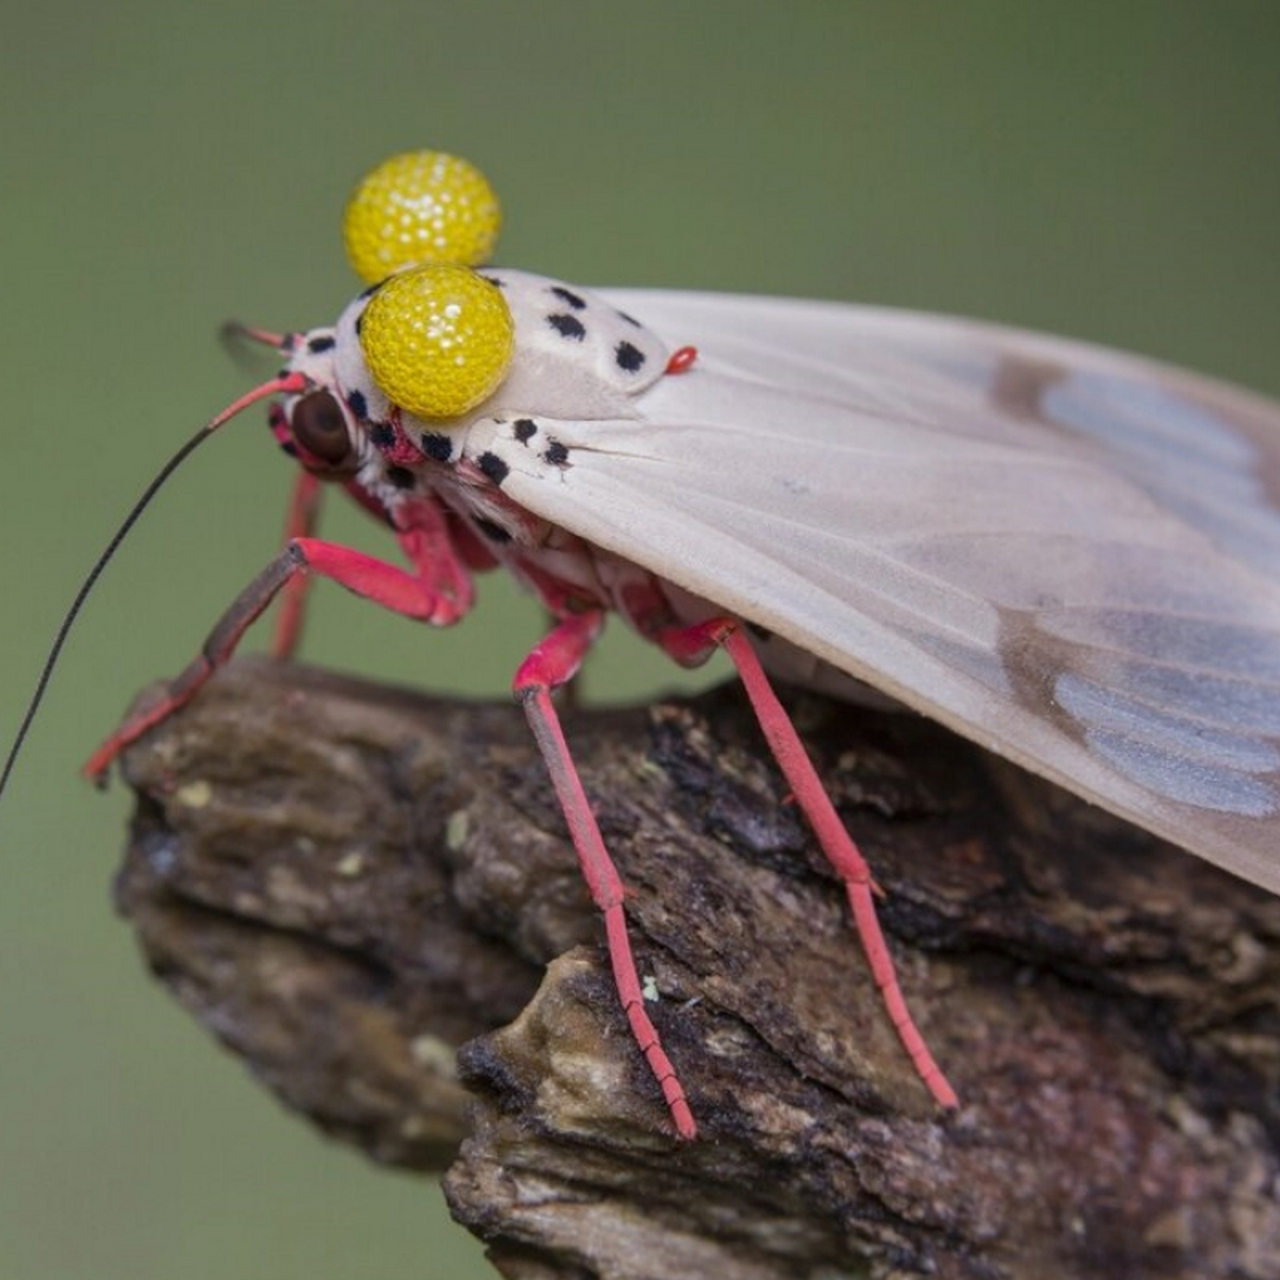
{"type": "Point", "coordinates": [277, 386]}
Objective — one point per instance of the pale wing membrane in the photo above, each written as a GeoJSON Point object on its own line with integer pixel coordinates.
{"type": "Point", "coordinates": [1066, 555]}
{"type": "Point", "coordinates": [1207, 450]}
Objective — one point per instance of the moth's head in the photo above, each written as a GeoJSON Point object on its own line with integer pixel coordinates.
{"type": "Point", "coordinates": [434, 343]}
{"type": "Point", "coordinates": [417, 352]}
{"type": "Point", "coordinates": [429, 338]}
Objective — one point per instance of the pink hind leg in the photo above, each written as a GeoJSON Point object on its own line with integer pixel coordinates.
{"type": "Point", "coordinates": [688, 644]}
{"type": "Point", "coordinates": [553, 662]}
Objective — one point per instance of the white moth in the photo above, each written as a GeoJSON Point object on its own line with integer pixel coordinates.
{"type": "Point", "coordinates": [1068, 555]}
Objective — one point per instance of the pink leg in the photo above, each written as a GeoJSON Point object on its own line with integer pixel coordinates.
{"type": "Point", "coordinates": [429, 596]}
{"type": "Point", "coordinates": [836, 842]}
{"type": "Point", "coordinates": [300, 522]}
{"type": "Point", "coordinates": [552, 663]}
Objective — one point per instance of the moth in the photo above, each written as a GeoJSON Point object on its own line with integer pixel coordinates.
{"type": "Point", "coordinates": [1069, 555]}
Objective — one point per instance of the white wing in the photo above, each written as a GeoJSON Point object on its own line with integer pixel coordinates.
{"type": "Point", "coordinates": [1068, 555]}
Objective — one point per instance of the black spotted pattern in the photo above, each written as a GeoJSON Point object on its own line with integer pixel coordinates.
{"type": "Point", "coordinates": [401, 477]}
{"type": "Point", "coordinates": [493, 467]}
{"type": "Point", "coordinates": [569, 297]}
{"type": "Point", "coordinates": [567, 326]}
{"type": "Point", "coordinates": [317, 345]}
{"type": "Point", "coordinates": [629, 358]}
{"type": "Point", "coordinates": [556, 454]}
{"type": "Point", "coordinates": [382, 436]}
{"type": "Point", "coordinates": [525, 429]}
{"type": "Point", "coordinates": [358, 405]}
{"type": "Point", "coordinates": [436, 445]}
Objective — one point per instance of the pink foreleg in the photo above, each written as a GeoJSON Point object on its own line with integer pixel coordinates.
{"type": "Point", "coordinates": [300, 522]}
{"type": "Point", "coordinates": [431, 595]}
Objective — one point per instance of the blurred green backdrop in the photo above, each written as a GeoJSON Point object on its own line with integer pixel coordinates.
{"type": "Point", "coordinates": [1109, 171]}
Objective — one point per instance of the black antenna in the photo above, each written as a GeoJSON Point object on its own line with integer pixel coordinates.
{"type": "Point", "coordinates": [284, 384]}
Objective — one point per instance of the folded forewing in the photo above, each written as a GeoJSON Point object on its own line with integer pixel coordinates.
{"type": "Point", "coordinates": [1068, 555]}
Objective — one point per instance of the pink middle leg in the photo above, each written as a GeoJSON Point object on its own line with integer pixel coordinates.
{"type": "Point", "coordinates": [552, 663]}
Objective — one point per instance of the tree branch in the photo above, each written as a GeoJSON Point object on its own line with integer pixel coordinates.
{"type": "Point", "coordinates": [347, 883]}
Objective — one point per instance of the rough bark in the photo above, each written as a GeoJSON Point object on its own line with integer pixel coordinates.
{"type": "Point", "coordinates": [348, 883]}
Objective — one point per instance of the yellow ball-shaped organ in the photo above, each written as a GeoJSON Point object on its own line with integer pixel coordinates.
{"type": "Point", "coordinates": [420, 207]}
{"type": "Point", "coordinates": [437, 340]}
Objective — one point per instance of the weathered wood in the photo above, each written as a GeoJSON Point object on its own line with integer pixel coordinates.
{"type": "Point", "coordinates": [346, 883]}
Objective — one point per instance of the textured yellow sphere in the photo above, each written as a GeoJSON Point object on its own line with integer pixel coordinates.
{"type": "Point", "coordinates": [437, 340]}
{"type": "Point", "coordinates": [419, 207]}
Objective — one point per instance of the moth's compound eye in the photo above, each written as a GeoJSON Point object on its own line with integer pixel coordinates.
{"type": "Point", "coordinates": [420, 207]}
{"type": "Point", "coordinates": [438, 340]}
{"type": "Point", "coordinates": [319, 427]}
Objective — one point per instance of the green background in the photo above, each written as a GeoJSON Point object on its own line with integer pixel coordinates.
{"type": "Point", "coordinates": [1105, 170]}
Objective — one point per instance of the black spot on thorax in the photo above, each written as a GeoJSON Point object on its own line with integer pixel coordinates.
{"type": "Point", "coordinates": [629, 357]}
{"type": "Point", "coordinates": [568, 326]}
{"type": "Point", "coordinates": [493, 467]}
{"type": "Point", "coordinates": [436, 445]}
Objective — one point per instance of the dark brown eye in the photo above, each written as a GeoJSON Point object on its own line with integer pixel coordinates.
{"type": "Point", "coordinates": [319, 427]}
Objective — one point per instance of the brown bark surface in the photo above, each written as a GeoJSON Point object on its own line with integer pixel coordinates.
{"type": "Point", "coordinates": [369, 895]}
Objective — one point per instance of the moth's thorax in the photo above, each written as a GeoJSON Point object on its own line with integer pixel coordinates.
{"type": "Point", "coordinates": [576, 358]}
